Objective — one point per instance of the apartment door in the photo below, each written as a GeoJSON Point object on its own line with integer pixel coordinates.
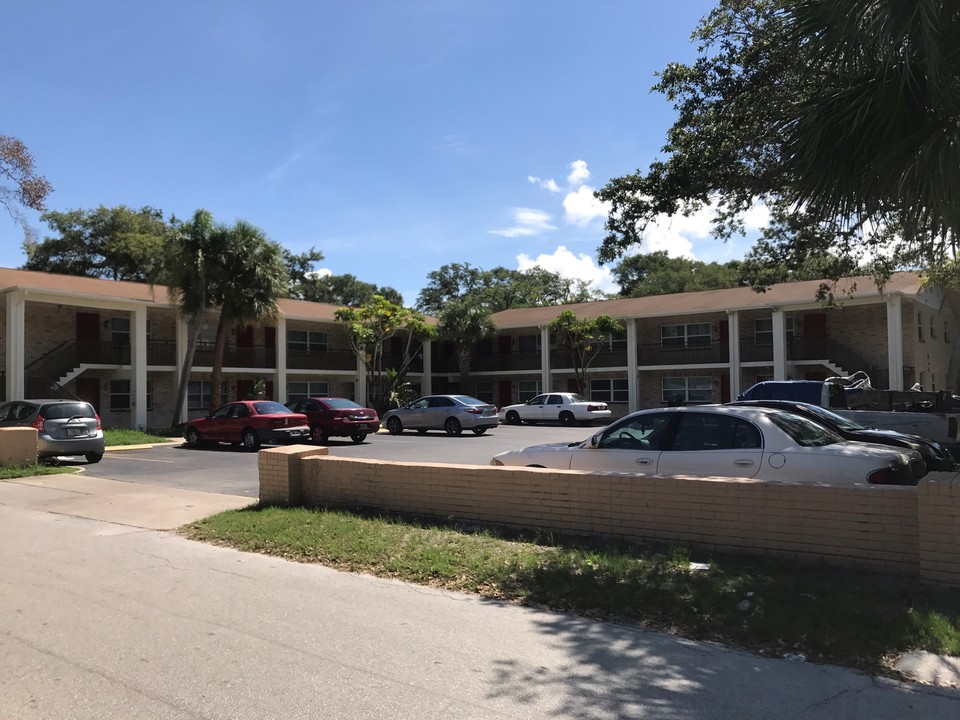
{"type": "Point", "coordinates": [506, 393]}
{"type": "Point", "coordinates": [88, 390]}
{"type": "Point", "coordinates": [88, 336]}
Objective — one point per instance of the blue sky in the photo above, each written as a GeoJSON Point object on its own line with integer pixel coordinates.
{"type": "Point", "coordinates": [395, 137]}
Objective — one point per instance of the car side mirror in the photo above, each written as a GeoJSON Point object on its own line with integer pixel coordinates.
{"type": "Point", "coordinates": [594, 442]}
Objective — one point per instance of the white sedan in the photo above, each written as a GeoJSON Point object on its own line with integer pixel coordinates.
{"type": "Point", "coordinates": [563, 407]}
{"type": "Point", "coordinates": [726, 441]}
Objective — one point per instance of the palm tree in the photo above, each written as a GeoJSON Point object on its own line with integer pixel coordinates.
{"type": "Point", "coordinates": [249, 277]}
{"type": "Point", "coordinates": [464, 323]}
{"type": "Point", "coordinates": [189, 255]}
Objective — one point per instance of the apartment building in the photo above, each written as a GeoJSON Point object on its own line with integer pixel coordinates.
{"type": "Point", "coordinates": [120, 346]}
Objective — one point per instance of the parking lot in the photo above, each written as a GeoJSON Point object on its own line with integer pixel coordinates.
{"type": "Point", "coordinates": [233, 471]}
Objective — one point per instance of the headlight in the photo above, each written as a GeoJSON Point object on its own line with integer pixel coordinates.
{"type": "Point", "coordinates": [495, 462]}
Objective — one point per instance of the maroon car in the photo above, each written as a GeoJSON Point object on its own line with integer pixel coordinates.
{"type": "Point", "coordinates": [336, 417]}
{"type": "Point", "coordinates": [249, 423]}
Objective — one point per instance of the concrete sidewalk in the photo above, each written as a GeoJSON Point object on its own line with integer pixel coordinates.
{"type": "Point", "coordinates": [123, 503]}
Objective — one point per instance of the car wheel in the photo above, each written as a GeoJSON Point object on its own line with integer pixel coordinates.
{"type": "Point", "coordinates": [250, 439]}
{"type": "Point", "coordinates": [394, 426]}
{"type": "Point", "coordinates": [358, 437]}
{"type": "Point", "coordinates": [567, 418]}
{"type": "Point", "coordinates": [193, 438]}
{"type": "Point", "coordinates": [513, 418]}
{"type": "Point", "coordinates": [93, 457]}
{"type": "Point", "coordinates": [452, 426]}
{"type": "Point", "coordinates": [316, 434]}
{"type": "Point", "coordinates": [479, 431]}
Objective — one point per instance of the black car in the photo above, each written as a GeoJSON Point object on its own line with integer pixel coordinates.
{"type": "Point", "coordinates": [936, 457]}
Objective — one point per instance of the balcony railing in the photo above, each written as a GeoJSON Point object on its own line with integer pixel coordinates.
{"type": "Point", "coordinates": [657, 354]}
{"type": "Point", "coordinates": [258, 356]}
{"type": "Point", "coordinates": [321, 360]}
{"type": "Point", "coordinates": [560, 358]}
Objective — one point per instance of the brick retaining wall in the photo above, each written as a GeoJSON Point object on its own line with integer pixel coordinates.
{"type": "Point", "coordinates": [907, 530]}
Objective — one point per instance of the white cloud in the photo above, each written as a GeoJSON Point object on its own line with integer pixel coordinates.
{"type": "Point", "coordinates": [581, 206]}
{"type": "Point", "coordinates": [578, 173]}
{"type": "Point", "coordinates": [566, 264]}
{"type": "Point", "coordinates": [545, 184]}
{"type": "Point", "coordinates": [527, 221]}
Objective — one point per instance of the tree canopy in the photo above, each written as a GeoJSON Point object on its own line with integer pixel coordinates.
{"type": "Point", "coordinates": [346, 290]}
{"type": "Point", "coordinates": [583, 338]}
{"type": "Point", "coordinates": [498, 289]}
{"type": "Point", "coordinates": [657, 273]}
{"type": "Point", "coordinates": [841, 116]}
{"type": "Point", "coordinates": [27, 188]}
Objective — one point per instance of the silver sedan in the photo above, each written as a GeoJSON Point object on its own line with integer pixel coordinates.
{"type": "Point", "coordinates": [451, 413]}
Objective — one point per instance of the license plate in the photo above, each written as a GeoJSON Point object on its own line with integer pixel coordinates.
{"type": "Point", "coordinates": [363, 427]}
{"type": "Point", "coordinates": [296, 433]}
{"type": "Point", "coordinates": [76, 432]}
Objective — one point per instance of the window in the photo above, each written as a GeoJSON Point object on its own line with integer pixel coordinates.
{"type": "Point", "coordinates": [920, 327]}
{"type": "Point", "coordinates": [527, 390]}
{"type": "Point", "coordinates": [119, 394]}
{"type": "Point", "coordinates": [684, 336]}
{"type": "Point", "coordinates": [763, 330]}
{"type": "Point", "coordinates": [933, 330]}
{"type": "Point", "coordinates": [684, 390]}
{"type": "Point", "coordinates": [529, 343]}
{"type": "Point", "coordinates": [307, 389]}
{"type": "Point", "coordinates": [306, 341]}
{"type": "Point", "coordinates": [199, 393]}
{"type": "Point", "coordinates": [611, 391]}
{"type": "Point", "coordinates": [484, 392]}
{"type": "Point", "coordinates": [714, 432]}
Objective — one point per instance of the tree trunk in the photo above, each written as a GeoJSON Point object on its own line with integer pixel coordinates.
{"type": "Point", "coordinates": [196, 329]}
{"type": "Point", "coordinates": [216, 399]}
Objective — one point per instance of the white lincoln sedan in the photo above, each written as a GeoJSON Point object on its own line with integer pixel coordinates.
{"type": "Point", "coordinates": [562, 407]}
{"type": "Point", "coordinates": [726, 441]}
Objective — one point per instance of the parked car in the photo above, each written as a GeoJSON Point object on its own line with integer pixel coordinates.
{"type": "Point", "coordinates": [336, 417]}
{"type": "Point", "coordinates": [935, 456]}
{"type": "Point", "coordinates": [249, 423]}
{"type": "Point", "coordinates": [452, 413]}
{"type": "Point", "coordinates": [726, 441]}
{"type": "Point", "coordinates": [563, 407]}
{"type": "Point", "coordinates": [64, 427]}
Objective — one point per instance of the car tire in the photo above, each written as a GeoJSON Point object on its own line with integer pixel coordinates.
{"type": "Point", "coordinates": [394, 426]}
{"type": "Point", "coordinates": [358, 437]}
{"type": "Point", "coordinates": [452, 426]}
{"type": "Point", "coordinates": [193, 438]}
{"type": "Point", "coordinates": [316, 434]}
{"type": "Point", "coordinates": [479, 431]}
{"type": "Point", "coordinates": [567, 418]}
{"type": "Point", "coordinates": [513, 418]}
{"type": "Point", "coordinates": [93, 457]}
{"type": "Point", "coordinates": [250, 440]}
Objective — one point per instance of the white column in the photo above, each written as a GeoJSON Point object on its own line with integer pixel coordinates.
{"type": "Point", "coordinates": [633, 381]}
{"type": "Point", "coordinates": [361, 384]}
{"type": "Point", "coordinates": [138, 366]}
{"type": "Point", "coordinates": [779, 345]}
{"type": "Point", "coordinates": [280, 391]}
{"type": "Point", "coordinates": [182, 340]}
{"type": "Point", "coordinates": [895, 341]}
{"type": "Point", "coordinates": [426, 381]}
{"type": "Point", "coordinates": [16, 355]}
{"type": "Point", "coordinates": [546, 385]}
{"type": "Point", "coordinates": [733, 337]}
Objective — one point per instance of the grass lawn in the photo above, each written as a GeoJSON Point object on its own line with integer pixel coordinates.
{"type": "Point", "coordinates": [11, 472]}
{"type": "Point", "coordinates": [774, 607]}
{"type": "Point", "coordinates": [121, 436]}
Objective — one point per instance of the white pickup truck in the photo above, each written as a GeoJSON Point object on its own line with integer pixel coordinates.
{"type": "Point", "coordinates": [930, 415]}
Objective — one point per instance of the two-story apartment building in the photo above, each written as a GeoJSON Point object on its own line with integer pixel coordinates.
{"type": "Point", "coordinates": [120, 345]}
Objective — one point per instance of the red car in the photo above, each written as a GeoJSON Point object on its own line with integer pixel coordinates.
{"type": "Point", "coordinates": [336, 417]}
{"type": "Point", "coordinates": [249, 423]}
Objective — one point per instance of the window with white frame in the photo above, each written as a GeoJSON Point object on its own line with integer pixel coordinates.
{"type": "Point", "coordinates": [199, 393]}
{"type": "Point", "coordinates": [612, 390]}
{"type": "Point", "coordinates": [529, 343]}
{"type": "Point", "coordinates": [119, 394]}
{"type": "Point", "coordinates": [484, 391]}
{"type": "Point", "coordinates": [683, 390]}
{"type": "Point", "coordinates": [301, 389]}
{"type": "Point", "coordinates": [685, 336]}
{"type": "Point", "coordinates": [763, 330]}
{"type": "Point", "coordinates": [527, 390]}
{"type": "Point", "coordinates": [306, 341]}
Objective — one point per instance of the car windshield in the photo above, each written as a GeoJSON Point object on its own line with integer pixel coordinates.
{"type": "Point", "coordinates": [467, 400]}
{"type": "Point", "coordinates": [59, 411]}
{"type": "Point", "coordinates": [802, 431]}
{"type": "Point", "coordinates": [341, 403]}
{"type": "Point", "coordinates": [268, 407]}
{"type": "Point", "coordinates": [839, 420]}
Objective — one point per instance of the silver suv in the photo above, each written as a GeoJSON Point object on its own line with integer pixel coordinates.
{"type": "Point", "coordinates": [64, 427]}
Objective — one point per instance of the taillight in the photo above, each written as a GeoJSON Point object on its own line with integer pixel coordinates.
{"type": "Point", "coordinates": [475, 411]}
{"type": "Point", "coordinates": [879, 477]}
{"type": "Point", "coordinates": [38, 423]}
{"type": "Point", "coordinates": [595, 408]}
{"type": "Point", "coordinates": [99, 426]}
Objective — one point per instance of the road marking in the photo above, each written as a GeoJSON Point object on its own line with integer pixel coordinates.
{"type": "Point", "coordinates": [128, 456]}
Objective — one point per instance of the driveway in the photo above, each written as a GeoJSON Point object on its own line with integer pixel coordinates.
{"type": "Point", "coordinates": [233, 471]}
